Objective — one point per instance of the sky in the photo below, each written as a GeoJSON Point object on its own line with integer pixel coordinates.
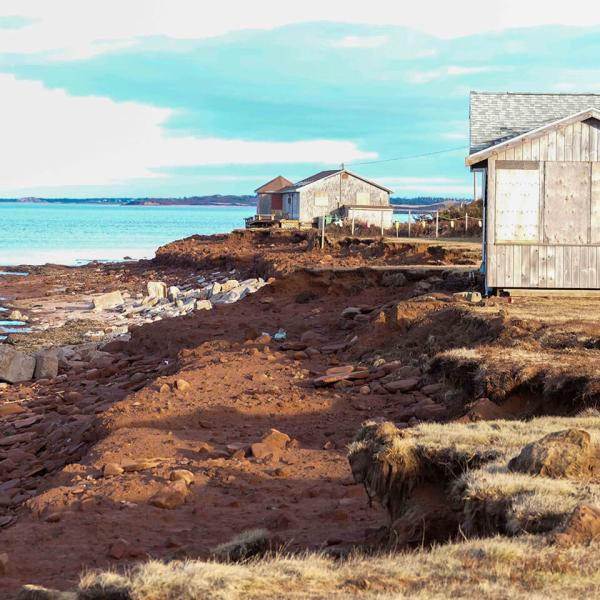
{"type": "Point", "coordinates": [138, 98]}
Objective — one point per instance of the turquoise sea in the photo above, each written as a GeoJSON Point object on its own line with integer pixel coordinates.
{"type": "Point", "coordinates": [73, 234]}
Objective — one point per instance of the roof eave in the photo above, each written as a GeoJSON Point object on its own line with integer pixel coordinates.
{"type": "Point", "coordinates": [477, 157]}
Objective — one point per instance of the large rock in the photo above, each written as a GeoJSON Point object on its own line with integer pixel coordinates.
{"type": "Point", "coordinates": [157, 289]}
{"type": "Point", "coordinates": [110, 300]}
{"type": "Point", "coordinates": [568, 453]}
{"type": "Point", "coordinates": [15, 366]}
{"type": "Point", "coordinates": [46, 365]}
{"type": "Point", "coordinates": [203, 305]}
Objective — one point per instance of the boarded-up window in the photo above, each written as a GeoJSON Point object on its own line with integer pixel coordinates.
{"type": "Point", "coordinates": [322, 200]}
{"type": "Point", "coordinates": [566, 202]}
{"type": "Point", "coordinates": [517, 201]}
{"type": "Point", "coordinates": [363, 198]}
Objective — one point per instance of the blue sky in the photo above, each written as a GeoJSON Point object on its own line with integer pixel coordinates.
{"type": "Point", "coordinates": [139, 102]}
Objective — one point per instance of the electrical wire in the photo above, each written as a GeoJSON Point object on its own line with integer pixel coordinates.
{"type": "Point", "coordinates": [385, 160]}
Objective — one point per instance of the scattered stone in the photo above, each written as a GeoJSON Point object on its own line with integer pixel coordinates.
{"type": "Point", "coordinates": [15, 366]}
{"type": "Point", "coordinates": [130, 466]}
{"type": "Point", "coordinates": [173, 293]}
{"type": "Point", "coordinates": [391, 279]}
{"type": "Point", "coordinates": [569, 453]}
{"type": "Point", "coordinates": [72, 396]}
{"type": "Point", "coordinates": [276, 438]}
{"type": "Point", "coordinates": [182, 475]}
{"type": "Point", "coordinates": [203, 305]}
{"type": "Point", "coordinates": [12, 408]}
{"type": "Point", "coordinates": [157, 289]}
{"type": "Point", "coordinates": [16, 315]}
{"type": "Point", "coordinates": [402, 385]}
{"type": "Point", "coordinates": [365, 390]}
{"type": "Point", "coordinates": [46, 365]}
{"type": "Point", "coordinates": [341, 370]}
{"type": "Point", "coordinates": [112, 469]}
{"type": "Point", "coordinates": [350, 312]}
{"type": "Point", "coordinates": [36, 592]}
{"type": "Point", "coordinates": [432, 388]}
{"type": "Point", "coordinates": [110, 300]}
{"type": "Point", "coordinates": [182, 385]}
{"type": "Point", "coordinates": [229, 285]}
{"type": "Point", "coordinates": [170, 496]}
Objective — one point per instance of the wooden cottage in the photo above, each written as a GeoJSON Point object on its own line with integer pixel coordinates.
{"type": "Point", "coordinates": [540, 159]}
{"type": "Point", "coordinates": [340, 193]}
{"type": "Point", "coordinates": [269, 197]}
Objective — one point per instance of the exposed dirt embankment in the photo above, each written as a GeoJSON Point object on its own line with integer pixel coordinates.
{"type": "Point", "coordinates": [275, 252]}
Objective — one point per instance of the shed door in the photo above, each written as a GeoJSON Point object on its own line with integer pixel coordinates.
{"type": "Point", "coordinates": [517, 201]}
{"type": "Point", "coordinates": [567, 202]}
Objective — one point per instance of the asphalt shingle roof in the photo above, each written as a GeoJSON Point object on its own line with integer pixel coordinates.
{"type": "Point", "coordinates": [495, 118]}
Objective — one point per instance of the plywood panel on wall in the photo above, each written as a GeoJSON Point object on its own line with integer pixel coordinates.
{"type": "Point", "coordinates": [566, 202]}
{"type": "Point", "coordinates": [517, 201]}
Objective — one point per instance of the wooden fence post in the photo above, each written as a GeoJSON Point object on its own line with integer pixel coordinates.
{"type": "Point", "coordinates": [322, 233]}
{"type": "Point", "coordinates": [381, 223]}
{"type": "Point", "coordinates": [437, 223]}
{"type": "Point", "coordinates": [409, 218]}
{"type": "Point", "coordinates": [353, 217]}
{"type": "Point", "coordinates": [466, 222]}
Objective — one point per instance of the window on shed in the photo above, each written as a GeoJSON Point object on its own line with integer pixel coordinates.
{"type": "Point", "coordinates": [517, 201]}
{"type": "Point", "coordinates": [567, 202]}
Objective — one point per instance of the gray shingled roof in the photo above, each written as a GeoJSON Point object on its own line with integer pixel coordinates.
{"type": "Point", "coordinates": [496, 118]}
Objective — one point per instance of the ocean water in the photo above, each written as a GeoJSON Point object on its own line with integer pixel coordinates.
{"type": "Point", "coordinates": [34, 234]}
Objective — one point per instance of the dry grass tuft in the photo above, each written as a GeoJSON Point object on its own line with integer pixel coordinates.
{"type": "Point", "coordinates": [492, 569]}
{"type": "Point", "coordinates": [472, 461]}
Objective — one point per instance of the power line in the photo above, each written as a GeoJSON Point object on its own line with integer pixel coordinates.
{"type": "Point", "coordinates": [373, 162]}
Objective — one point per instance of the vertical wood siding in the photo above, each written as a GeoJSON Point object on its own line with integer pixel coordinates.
{"type": "Point", "coordinates": [567, 252]}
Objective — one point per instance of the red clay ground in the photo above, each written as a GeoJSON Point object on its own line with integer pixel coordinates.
{"type": "Point", "coordinates": [61, 515]}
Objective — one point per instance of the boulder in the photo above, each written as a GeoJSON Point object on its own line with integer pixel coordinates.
{"type": "Point", "coordinates": [214, 289]}
{"type": "Point", "coordinates": [16, 315]}
{"type": "Point", "coordinates": [110, 300]}
{"type": "Point", "coordinates": [157, 289]}
{"type": "Point", "coordinates": [173, 293]}
{"type": "Point", "coordinates": [15, 366]}
{"type": "Point", "coordinates": [569, 453]}
{"type": "Point", "coordinates": [46, 365]}
{"type": "Point", "coordinates": [170, 496]}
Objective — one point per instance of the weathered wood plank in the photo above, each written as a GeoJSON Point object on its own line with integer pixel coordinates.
{"type": "Point", "coordinates": [569, 142]}
{"type": "Point", "coordinates": [535, 149]}
{"type": "Point", "coordinates": [577, 141]}
{"type": "Point", "coordinates": [595, 205]}
{"type": "Point", "coordinates": [517, 265]}
{"type": "Point", "coordinates": [544, 147]}
{"type": "Point", "coordinates": [585, 142]}
{"type": "Point", "coordinates": [551, 145]}
{"type": "Point", "coordinates": [550, 266]}
{"type": "Point", "coordinates": [560, 144]}
{"type": "Point", "coordinates": [566, 203]}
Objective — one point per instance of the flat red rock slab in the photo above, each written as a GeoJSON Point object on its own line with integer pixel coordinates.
{"type": "Point", "coordinates": [341, 370]}
{"type": "Point", "coordinates": [402, 385]}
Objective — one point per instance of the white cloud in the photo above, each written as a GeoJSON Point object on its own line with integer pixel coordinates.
{"type": "Point", "coordinates": [52, 139]}
{"type": "Point", "coordinates": [77, 28]}
{"type": "Point", "coordinates": [449, 71]}
{"type": "Point", "coordinates": [362, 41]}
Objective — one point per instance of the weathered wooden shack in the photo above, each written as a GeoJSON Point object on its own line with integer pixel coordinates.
{"type": "Point", "coordinates": [338, 192]}
{"type": "Point", "coordinates": [540, 159]}
{"type": "Point", "coordinates": [269, 199]}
